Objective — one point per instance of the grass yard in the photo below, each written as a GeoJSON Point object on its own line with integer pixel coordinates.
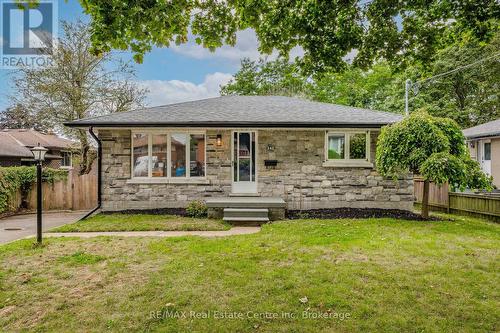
{"type": "Point", "coordinates": [142, 222]}
{"type": "Point", "coordinates": [369, 275]}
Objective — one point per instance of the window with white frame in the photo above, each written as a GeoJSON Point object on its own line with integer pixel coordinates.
{"type": "Point", "coordinates": [168, 154]}
{"type": "Point", "coordinates": [66, 159]}
{"type": "Point", "coordinates": [347, 147]}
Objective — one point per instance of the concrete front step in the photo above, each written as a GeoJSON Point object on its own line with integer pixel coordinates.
{"type": "Point", "coordinates": [246, 219]}
{"type": "Point", "coordinates": [246, 202]}
{"type": "Point", "coordinates": [246, 214]}
{"type": "Point", "coordinates": [246, 209]}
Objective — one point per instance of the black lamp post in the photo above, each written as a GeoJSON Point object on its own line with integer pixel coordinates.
{"type": "Point", "coordinates": [39, 156]}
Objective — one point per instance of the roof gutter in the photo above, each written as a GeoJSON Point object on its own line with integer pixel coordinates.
{"type": "Point", "coordinates": [99, 177]}
{"type": "Point", "coordinates": [482, 136]}
{"type": "Point", "coordinates": [230, 125]}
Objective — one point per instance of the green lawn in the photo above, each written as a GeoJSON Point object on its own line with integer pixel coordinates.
{"type": "Point", "coordinates": [368, 275]}
{"type": "Point", "coordinates": [141, 222]}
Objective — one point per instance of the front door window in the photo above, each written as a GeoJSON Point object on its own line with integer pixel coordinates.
{"type": "Point", "coordinates": [244, 162]}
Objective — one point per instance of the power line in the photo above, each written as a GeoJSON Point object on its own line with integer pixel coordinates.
{"type": "Point", "coordinates": [416, 84]}
{"type": "Point", "coordinates": [457, 69]}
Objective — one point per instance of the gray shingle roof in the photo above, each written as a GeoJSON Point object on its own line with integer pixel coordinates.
{"type": "Point", "coordinates": [10, 147]}
{"type": "Point", "coordinates": [485, 130]}
{"type": "Point", "coordinates": [17, 143]}
{"type": "Point", "coordinates": [230, 111]}
{"type": "Point", "coordinates": [31, 138]}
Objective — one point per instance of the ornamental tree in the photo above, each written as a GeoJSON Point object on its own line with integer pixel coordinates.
{"type": "Point", "coordinates": [431, 147]}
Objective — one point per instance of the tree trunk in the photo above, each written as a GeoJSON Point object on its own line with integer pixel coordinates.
{"type": "Point", "coordinates": [85, 156]}
{"type": "Point", "coordinates": [425, 200]}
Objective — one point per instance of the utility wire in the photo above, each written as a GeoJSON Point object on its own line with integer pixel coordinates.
{"type": "Point", "coordinates": [457, 69]}
{"type": "Point", "coordinates": [415, 85]}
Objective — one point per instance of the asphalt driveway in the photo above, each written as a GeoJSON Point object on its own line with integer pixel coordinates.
{"type": "Point", "coordinates": [21, 226]}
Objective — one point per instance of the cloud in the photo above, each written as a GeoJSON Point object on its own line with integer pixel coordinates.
{"type": "Point", "coordinates": [174, 91]}
{"type": "Point", "coordinates": [246, 46]}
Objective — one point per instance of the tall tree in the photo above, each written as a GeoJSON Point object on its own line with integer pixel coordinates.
{"type": "Point", "coordinates": [446, 87]}
{"type": "Point", "coordinates": [404, 31]}
{"type": "Point", "coordinates": [20, 117]}
{"type": "Point", "coordinates": [469, 95]}
{"type": "Point", "coordinates": [377, 88]}
{"type": "Point", "coordinates": [77, 85]}
{"type": "Point", "coordinates": [278, 77]}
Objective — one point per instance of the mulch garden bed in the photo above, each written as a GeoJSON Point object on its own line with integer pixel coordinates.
{"type": "Point", "coordinates": [336, 213]}
{"type": "Point", "coordinates": [356, 213]}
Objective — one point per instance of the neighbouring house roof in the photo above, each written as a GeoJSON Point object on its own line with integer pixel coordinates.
{"type": "Point", "coordinates": [17, 143]}
{"type": "Point", "coordinates": [232, 111]}
{"type": "Point", "coordinates": [9, 147]}
{"type": "Point", "coordinates": [31, 138]}
{"type": "Point", "coordinates": [485, 130]}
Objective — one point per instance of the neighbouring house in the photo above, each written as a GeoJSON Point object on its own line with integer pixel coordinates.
{"type": "Point", "coordinates": [240, 153]}
{"type": "Point", "coordinates": [15, 145]}
{"type": "Point", "coordinates": [484, 146]}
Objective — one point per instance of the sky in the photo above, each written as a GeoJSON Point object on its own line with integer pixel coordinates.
{"type": "Point", "coordinates": [175, 74]}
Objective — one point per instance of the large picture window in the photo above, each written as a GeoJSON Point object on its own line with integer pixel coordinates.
{"type": "Point", "coordinates": [197, 155]}
{"type": "Point", "coordinates": [140, 154]}
{"type": "Point", "coordinates": [159, 155]}
{"type": "Point", "coordinates": [347, 148]}
{"type": "Point", "coordinates": [168, 155]}
{"type": "Point", "coordinates": [178, 154]}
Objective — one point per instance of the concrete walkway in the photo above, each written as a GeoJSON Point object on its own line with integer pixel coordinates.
{"type": "Point", "coordinates": [231, 232]}
{"type": "Point", "coordinates": [22, 226]}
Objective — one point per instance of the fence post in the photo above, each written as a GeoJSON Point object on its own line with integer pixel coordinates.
{"type": "Point", "coordinates": [448, 204]}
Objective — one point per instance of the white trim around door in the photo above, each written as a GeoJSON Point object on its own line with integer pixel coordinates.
{"type": "Point", "coordinates": [244, 162]}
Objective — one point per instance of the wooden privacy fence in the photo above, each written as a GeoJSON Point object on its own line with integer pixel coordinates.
{"type": "Point", "coordinates": [438, 195]}
{"type": "Point", "coordinates": [77, 192]}
{"type": "Point", "coordinates": [486, 205]}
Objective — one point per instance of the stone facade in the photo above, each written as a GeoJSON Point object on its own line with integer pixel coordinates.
{"type": "Point", "coordinates": [304, 183]}
{"type": "Point", "coordinates": [299, 177]}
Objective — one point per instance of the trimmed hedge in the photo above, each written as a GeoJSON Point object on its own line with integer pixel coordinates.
{"type": "Point", "coordinates": [13, 179]}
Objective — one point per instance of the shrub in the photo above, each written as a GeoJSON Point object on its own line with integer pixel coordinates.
{"type": "Point", "coordinates": [197, 209]}
{"type": "Point", "coordinates": [13, 179]}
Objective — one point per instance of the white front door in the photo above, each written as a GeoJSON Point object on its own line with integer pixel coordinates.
{"type": "Point", "coordinates": [485, 153]}
{"type": "Point", "coordinates": [244, 166]}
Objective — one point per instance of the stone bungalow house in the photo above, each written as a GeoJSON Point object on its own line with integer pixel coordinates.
{"type": "Point", "coordinates": [247, 156]}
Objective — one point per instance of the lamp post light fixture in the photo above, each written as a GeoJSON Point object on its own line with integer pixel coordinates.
{"type": "Point", "coordinates": [39, 156]}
